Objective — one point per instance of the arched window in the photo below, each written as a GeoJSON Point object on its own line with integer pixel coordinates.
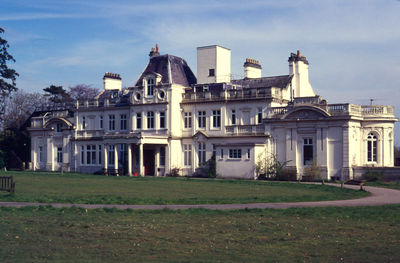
{"type": "Point", "coordinates": [372, 143]}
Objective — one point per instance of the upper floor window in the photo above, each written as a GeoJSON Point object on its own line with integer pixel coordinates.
{"type": "Point", "coordinates": [59, 127]}
{"type": "Point", "coordinates": [187, 117]}
{"type": "Point", "coordinates": [211, 72]}
{"type": "Point", "coordinates": [111, 122]}
{"type": "Point", "coordinates": [83, 122]}
{"type": "Point", "coordinates": [259, 115]}
{"type": "Point", "coordinates": [216, 118]}
{"type": "Point", "coordinates": [162, 119]}
{"type": "Point", "coordinates": [111, 155]}
{"type": "Point", "coordinates": [201, 118]}
{"type": "Point", "coordinates": [123, 121]}
{"type": "Point", "coordinates": [372, 143]}
{"type": "Point", "coordinates": [101, 122]}
{"type": "Point", "coordinates": [233, 117]}
{"type": "Point", "coordinates": [139, 120]}
{"type": "Point", "coordinates": [150, 120]}
{"type": "Point", "coordinates": [150, 87]}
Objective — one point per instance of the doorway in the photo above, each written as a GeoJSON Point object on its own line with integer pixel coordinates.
{"type": "Point", "coordinates": [149, 162]}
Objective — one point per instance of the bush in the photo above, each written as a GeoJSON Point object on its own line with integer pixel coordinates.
{"type": "Point", "coordinates": [207, 170]}
{"type": "Point", "coordinates": [174, 172]}
{"type": "Point", "coordinates": [269, 168]}
{"type": "Point", "coordinates": [312, 172]}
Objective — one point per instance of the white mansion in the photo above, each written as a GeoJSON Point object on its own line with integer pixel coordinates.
{"type": "Point", "coordinates": [171, 119]}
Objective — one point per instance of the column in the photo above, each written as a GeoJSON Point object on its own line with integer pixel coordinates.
{"type": "Point", "coordinates": [105, 149]}
{"type": "Point", "coordinates": [116, 159]}
{"type": "Point", "coordinates": [141, 168]}
{"type": "Point", "coordinates": [157, 162]}
{"type": "Point", "coordinates": [129, 159]}
{"type": "Point", "coordinates": [167, 159]}
{"type": "Point", "coordinates": [34, 150]}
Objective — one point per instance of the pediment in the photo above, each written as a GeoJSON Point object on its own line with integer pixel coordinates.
{"type": "Point", "coordinates": [200, 136]}
{"type": "Point", "coordinates": [306, 113]}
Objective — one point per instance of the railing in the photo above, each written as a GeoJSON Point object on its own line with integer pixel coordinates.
{"type": "Point", "coordinates": [89, 133]}
{"type": "Point", "coordinates": [239, 94]}
{"type": "Point", "coordinates": [245, 129]}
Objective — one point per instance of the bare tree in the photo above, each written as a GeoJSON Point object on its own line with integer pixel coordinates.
{"type": "Point", "coordinates": [20, 106]}
{"type": "Point", "coordinates": [82, 92]}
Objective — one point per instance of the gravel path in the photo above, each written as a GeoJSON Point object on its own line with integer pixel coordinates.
{"type": "Point", "coordinates": [379, 196]}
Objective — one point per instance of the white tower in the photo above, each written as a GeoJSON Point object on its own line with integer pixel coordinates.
{"type": "Point", "coordinates": [213, 64]}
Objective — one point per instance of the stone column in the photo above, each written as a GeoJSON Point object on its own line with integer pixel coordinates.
{"type": "Point", "coordinates": [105, 149]}
{"type": "Point", "coordinates": [141, 168]}
{"type": "Point", "coordinates": [116, 158]}
{"type": "Point", "coordinates": [129, 159]}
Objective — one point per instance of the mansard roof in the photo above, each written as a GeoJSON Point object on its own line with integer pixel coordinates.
{"type": "Point", "coordinates": [275, 81]}
{"type": "Point", "coordinates": [174, 70]}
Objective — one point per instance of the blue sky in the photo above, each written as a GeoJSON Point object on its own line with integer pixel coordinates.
{"type": "Point", "coordinates": [352, 46]}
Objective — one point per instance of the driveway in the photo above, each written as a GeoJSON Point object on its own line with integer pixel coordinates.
{"type": "Point", "coordinates": [379, 196]}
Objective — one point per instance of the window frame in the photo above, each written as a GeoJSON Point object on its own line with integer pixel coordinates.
{"type": "Point", "coordinates": [150, 120]}
{"type": "Point", "coordinates": [216, 119]}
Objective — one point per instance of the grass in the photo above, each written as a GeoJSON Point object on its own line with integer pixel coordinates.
{"type": "Point", "coordinates": [391, 185]}
{"type": "Point", "coordinates": [82, 188]}
{"type": "Point", "coordinates": [43, 234]}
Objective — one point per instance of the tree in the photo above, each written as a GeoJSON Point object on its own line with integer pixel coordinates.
{"type": "Point", "coordinates": [57, 94]}
{"type": "Point", "coordinates": [82, 92]}
{"type": "Point", "coordinates": [7, 76]}
{"type": "Point", "coordinates": [20, 106]}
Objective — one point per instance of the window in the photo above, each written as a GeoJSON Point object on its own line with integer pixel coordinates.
{"type": "Point", "coordinates": [59, 155]}
{"type": "Point", "coordinates": [162, 119]}
{"type": "Point", "coordinates": [59, 127]}
{"type": "Point", "coordinates": [248, 153]}
{"type": "Point", "coordinates": [100, 154]}
{"type": "Point", "coordinates": [187, 117]}
{"type": "Point", "coordinates": [111, 156]}
{"type": "Point", "coordinates": [123, 121]}
{"type": "Point", "coordinates": [308, 152]}
{"type": "Point", "coordinates": [211, 72]}
{"type": "Point", "coordinates": [123, 153]}
{"type": "Point", "coordinates": [233, 117]}
{"type": "Point", "coordinates": [82, 155]}
{"type": "Point", "coordinates": [101, 122]}
{"type": "Point", "coordinates": [201, 118]}
{"type": "Point", "coordinates": [259, 116]}
{"type": "Point", "coordinates": [372, 147]}
{"type": "Point", "coordinates": [139, 120]}
{"type": "Point", "coordinates": [214, 150]}
{"type": "Point", "coordinates": [150, 87]}
{"type": "Point", "coordinates": [187, 154]}
{"type": "Point", "coordinates": [83, 122]}
{"type": "Point", "coordinates": [111, 122]}
{"type": "Point", "coordinates": [202, 152]}
{"type": "Point", "coordinates": [40, 153]}
{"type": "Point", "coordinates": [162, 156]}
{"type": "Point", "coordinates": [235, 153]}
{"type": "Point", "coordinates": [91, 154]}
{"type": "Point", "coordinates": [150, 120]}
{"type": "Point", "coordinates": [216, 118]}
{"type": "Point", "coordinates": [222, 153]}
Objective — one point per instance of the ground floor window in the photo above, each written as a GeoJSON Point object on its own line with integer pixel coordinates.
{"type": "Point", "coordinates": [59, 155]}
{"type": "Point", "coordinates": [202, 152]}
{"type": "Point", "coordinates": [111, 157]}
{"type": "Point", "coordinates": [162, 156]}
{"type": "Point", "coordinates": [187, 154]}
{"type": "Point", "coordinates": [308, 151]}
{"type": "Point", "coordinates": [235, 153]}
{"type": "Point", "coordinates": [372, 142]}
{"type": "Point", "coordinates": [40, 153]}
{"type": "Point", "coordinates": [123, 153]}
{"type": "Point", "coordinates": [91, 154]}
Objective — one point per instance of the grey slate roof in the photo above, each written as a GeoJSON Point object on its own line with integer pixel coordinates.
{"type": "Point", "coordinates": [275, 81]}
{"type": "Point", "coordinates": [174, 70]}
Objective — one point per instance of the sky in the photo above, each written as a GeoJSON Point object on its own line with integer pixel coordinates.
{"type": "Point", "coordinates": [352, 46]}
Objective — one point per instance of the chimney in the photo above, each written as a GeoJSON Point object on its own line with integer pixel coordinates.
{"type": "Point", "coordinates": [298, 67]}
{"type": "Point", "coordinates": [154, 52]}
{"type": "Point", "coordinates": [112, 81]}
{"type": "Point", "coordinates": [252, 69]}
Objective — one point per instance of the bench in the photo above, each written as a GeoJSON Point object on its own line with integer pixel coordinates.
{"type": "Point", "coordinates": [7, 184]}
{"type": "Point", "coordinates": [356, 182]}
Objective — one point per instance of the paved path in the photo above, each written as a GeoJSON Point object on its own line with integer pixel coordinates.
{"type": "Point", "coordinates": [379, 196]}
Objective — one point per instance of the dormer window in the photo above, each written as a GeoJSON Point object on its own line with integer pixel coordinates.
{"type": "Point", "coordinates": [114, 94]}
{"type": "Point", "coordinates": [150, 87]}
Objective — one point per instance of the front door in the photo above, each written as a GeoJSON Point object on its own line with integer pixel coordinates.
{"type": "Point", "coordinates": [148, 162]}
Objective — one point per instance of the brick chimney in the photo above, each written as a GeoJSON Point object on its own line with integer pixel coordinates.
{"type": "Point", "coordinates": [252, 69]}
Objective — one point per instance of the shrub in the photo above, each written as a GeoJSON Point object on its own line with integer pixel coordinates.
{"type": "Point", "coordinates": [312, 172]}
{"type": "Point", "coordinates": [269, 167]}
{"type": "Point", "coordinates": [174, 172]}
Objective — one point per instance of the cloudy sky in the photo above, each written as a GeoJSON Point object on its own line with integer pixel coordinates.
{"type": "Point", "coordinates": [352, 46]}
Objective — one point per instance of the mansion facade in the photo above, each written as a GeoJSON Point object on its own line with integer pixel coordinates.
{"type": "Point", "coordinates": [172, 119]}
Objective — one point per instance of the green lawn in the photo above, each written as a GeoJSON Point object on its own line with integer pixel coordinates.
{"type": "Point", "coordinates": [82, 188]}
{"type": "Point", "coordinates": [43, 234]}
{"type": "Point", "coordinates": [392, 185]}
